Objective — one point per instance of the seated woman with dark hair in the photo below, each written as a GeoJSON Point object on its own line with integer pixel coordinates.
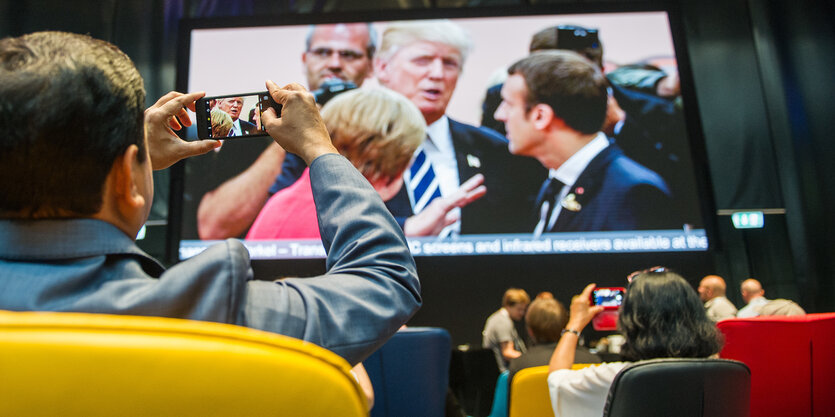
{"type": "Point", "coordinates": [661, 317]}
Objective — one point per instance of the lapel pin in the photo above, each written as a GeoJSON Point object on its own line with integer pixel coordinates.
{"type": "Point", "coordinates": [473, 161]}
{"type": "Point", "coordinates": [570, 203]}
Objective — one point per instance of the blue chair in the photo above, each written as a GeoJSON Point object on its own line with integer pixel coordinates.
{"type": "Point", "coordinates": [410, 373]}
{"type": "Point", "coordinates": [500, 397]}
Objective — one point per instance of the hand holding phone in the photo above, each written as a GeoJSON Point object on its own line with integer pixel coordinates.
{"type": "Point", "coordinates": [610, 298]}
{"type": "Point", "coordinates": [300, 129]}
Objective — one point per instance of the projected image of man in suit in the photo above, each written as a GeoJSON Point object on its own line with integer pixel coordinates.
{"type": "Point", "coordinates": [423, 60]}
{"type": "Point", "coordinates": [553, 107]}
{"type": "Point", "coordinates": [232, 106]}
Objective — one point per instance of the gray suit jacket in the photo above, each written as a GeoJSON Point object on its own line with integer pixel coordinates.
{"type": "Point", "coordinates": [370, 289]}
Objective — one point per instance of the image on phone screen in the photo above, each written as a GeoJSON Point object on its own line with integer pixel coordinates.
{"type": "Point", "coordinates": [232, 116]}
{"type": "Point", "coordinates": [608, 297]}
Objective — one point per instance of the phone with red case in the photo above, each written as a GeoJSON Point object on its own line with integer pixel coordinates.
{"type": "Point", "coordinates": [610, 298]}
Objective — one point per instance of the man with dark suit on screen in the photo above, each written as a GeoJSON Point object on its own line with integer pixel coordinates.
{"type": "Point", "coordinates": [423, 60]}
{"type": "Point", "coordinates": [232, 106]}
{"type": "Point", "coordinates": [553, 107]}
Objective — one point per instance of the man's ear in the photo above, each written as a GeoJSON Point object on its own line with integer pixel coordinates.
{"type": "Point", "coordinates": [542, 115]}
{"type": "Point", "coordinates": [127, 172]}
{"type": "Point", "coordinates": [380, 70]}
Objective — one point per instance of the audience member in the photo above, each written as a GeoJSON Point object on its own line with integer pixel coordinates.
{"type": "Point", "coordinates": [230, 187]}
{"type": "Point", "coordinates": [757, 305]}
{"type": "Point", "coordinates": [661, 317]}
{"type": "Point", "coordinates": [76, 187]}
{"type": "Point", "coordinates": [553, 104]}
{"type": "Point", "coordinates": [545, 320]}
{"type": "Point", "coordinates": [423, 60]}
{"type": "Point", "coordinates": [754, 297]}
{"type": "Point", "coordinates": [545, 295]}
{"type": "Point", "coordinates": [500, 334]}
{"type": "Point", "coordinates": [781, 307]}
{"type": "Point", "coordinates": [712, 292]}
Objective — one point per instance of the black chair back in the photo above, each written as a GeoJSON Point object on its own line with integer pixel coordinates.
{"type": "Point", "coordinates": [681, 387]}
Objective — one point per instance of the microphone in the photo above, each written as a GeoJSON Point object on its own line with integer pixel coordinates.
{"type": "Point", "coordinates": [330, 89]}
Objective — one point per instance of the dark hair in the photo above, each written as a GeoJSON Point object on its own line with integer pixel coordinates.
{"type": "Point", "coordinates": [69, 106]}
{"type": "Point", "coordinates": [571, 85]}
{"type": "Point", "coordinates": [663, 317]}
{"type": "Point", "coordinates": [546, 317]}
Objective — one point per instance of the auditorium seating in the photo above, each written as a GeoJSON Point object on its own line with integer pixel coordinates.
{"type": "Point", "coordinates": [683, 387]}
{"type": "Point", "coordinates": [410, 373]}
{"type": "Point", "coordinates": [791, 360]}
{"type": "Point", "coordinates": [71, 364]}
{"type": "Point", "coordinates": [529, 395]}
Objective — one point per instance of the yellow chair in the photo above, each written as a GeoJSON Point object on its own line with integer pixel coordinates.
{"type": "Point", "coordinates": [72, 364]}
{"type": "Point", "coordinates": [529, 395]}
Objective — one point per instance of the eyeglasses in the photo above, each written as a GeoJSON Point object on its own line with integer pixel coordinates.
{"type": "Point", "coordinates": [633, 275]}
{"type": "Point", "coordinates": [346, 55]}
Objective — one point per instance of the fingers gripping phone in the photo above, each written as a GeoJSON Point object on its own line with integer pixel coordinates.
{"type": "Point", "coordinates": [233, 116]}
{"type": "Point", "coordinates": [610, 298]}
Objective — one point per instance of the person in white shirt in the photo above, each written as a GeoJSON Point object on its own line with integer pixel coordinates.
{"type": "Point", "coordinates": [754, 297]}
{"type": "Point", "coordinates": [712, 292]}
{"type": "Point", "coordinates": [661, 317]}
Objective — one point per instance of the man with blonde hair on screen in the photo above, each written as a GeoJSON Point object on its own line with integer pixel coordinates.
{"type": "Point", "coordinates": [422, 60]}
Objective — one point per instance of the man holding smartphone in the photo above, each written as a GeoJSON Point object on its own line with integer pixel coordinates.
{"type": "Point", "coordinates": [76, 187]}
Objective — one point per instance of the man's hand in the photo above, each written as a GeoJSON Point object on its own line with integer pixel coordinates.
{"type": "Point", "coordinates": [438, 214]}
{"type": "Point", "coordinates": [300, 129]}
{"type": "Point", "coordinates": [162, 119]}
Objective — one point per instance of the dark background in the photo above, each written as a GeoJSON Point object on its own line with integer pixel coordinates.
{"type": "Point", "coordinates": [762, 72]}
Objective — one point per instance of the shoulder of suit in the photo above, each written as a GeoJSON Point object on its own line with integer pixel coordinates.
{"type": "Point", "coordinates": [482, 134]}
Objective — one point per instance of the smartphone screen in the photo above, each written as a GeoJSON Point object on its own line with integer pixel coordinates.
{"type": "Point", "coordinates": [608, 297]}
{"type": "Point", "coordinates": [232, 116]}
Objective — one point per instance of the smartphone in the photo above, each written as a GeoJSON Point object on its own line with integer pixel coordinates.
{"type": "Point", "coordinates": [609, 297]}
{"type": "Point", "coordinates": [233, 115]}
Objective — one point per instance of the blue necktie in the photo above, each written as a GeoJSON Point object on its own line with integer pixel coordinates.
{"type": "Point", "coordinates": [546, 203]}
{"type": "Point", "coordinates": [422, 184]}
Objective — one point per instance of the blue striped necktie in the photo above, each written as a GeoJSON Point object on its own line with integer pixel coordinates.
{"type": "Point", "coordinates": [422, 183]}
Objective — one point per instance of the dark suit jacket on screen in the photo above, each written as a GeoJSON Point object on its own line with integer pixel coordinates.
{"type": "Point", "coordinates": [616, 193]}
{"type": "Point", "coordinates": [247, 127]}
{"type": "Point", "coordinates": [512, 183]}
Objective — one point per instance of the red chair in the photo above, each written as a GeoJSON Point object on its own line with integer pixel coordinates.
{"type": "Point", "coordinates": [792, 362]}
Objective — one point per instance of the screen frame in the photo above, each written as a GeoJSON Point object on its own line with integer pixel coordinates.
{"type": "Point", "coordinates": [696, 141]}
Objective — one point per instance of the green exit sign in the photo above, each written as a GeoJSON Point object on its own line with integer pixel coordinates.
{"type": "Point", "coordinates": [748, 219]}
